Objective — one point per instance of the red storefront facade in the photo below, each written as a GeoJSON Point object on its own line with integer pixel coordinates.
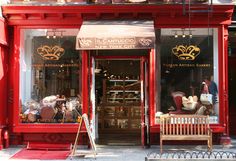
{"type": "Point", "coordinates": [167, 20]}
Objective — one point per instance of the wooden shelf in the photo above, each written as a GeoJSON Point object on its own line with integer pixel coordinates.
{"type": "Point", "coordinates": [124, 114]}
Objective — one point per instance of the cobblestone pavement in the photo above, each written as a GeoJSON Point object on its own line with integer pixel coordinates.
{"type": "Point", "coordinates": [121, 153]}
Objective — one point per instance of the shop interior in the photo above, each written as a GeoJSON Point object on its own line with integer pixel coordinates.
{"type": "Point", "coordinates": [118, 100]}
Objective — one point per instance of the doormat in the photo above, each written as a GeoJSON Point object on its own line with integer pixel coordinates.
{"type": "Point", "coordinates": [48, 146]}
{"type": "Point", "coordinates": [42, 154]}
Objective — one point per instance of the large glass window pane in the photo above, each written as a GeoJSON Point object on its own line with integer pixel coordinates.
{"type": "Point", "coordinates": [50, 76]}
{"type": "Point", "coordinates": [232, 42]}
{"type": "Point", "coordinates": [189, 68]}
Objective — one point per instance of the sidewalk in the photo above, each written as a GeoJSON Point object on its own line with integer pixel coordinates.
{"type": "Point", "coordinates": [122, 153]}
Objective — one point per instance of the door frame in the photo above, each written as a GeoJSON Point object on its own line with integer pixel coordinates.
{"type": "Point", "coordinates": [144, 133]}
{"type": "Point", "coordinates": [145, 118]}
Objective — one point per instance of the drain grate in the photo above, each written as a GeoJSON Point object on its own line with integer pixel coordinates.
{"type": "Point", "coordinates": [191, 155]}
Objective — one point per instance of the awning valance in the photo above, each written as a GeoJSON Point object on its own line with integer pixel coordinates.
{"type": "Point", "coordinates": [95, 35]}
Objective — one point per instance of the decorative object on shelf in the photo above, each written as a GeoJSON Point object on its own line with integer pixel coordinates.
{"type": "Point", "coordinates": [49, 101]}
{"type": "Point", "coordinates": [32, 116]}
{"type": "Point", "coordinates": [206, 99]}
{"type": "Point", "coordinates": [31, 111]}
{"type": "Point", "coordinates": [189, 103]}
{"type": "Point", "coordinates": [51, 109]}
{"type": "Point", "coordinates": [47, 113]}
{"type": "Point", "coordinates": [201, 110]}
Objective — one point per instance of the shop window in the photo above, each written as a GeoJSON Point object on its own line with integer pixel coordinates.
{"type": "Point", "coordinates": [187, 58]}
{"type": "Point", "coordinates": [50, 76]}
{"type": "Point", "coordinates": [232, 43]}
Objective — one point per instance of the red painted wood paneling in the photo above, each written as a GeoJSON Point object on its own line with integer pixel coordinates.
{"type": "Point", "coordinates": [3, 85]}
{"type": "Point", "coordinates": [3, 73]}
{"type": "Point", "coordinates": [68, 15]}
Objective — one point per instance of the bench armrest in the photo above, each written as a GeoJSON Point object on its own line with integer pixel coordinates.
{"type": "Point", "coordinates": [209, 131]}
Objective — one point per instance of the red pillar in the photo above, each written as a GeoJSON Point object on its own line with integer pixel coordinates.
{"type": "Point", "coordinates": [152, 85]}
{"type": "Point", "coordinates": [3, 81]}
{"type": "Point", "coordinates": [85, 81]}
{"type": "Point", "coordinates": [223, 91]}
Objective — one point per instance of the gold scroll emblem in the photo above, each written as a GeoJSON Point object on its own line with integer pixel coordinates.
{"type": "Point", "coordinates": [186, 52]}
{"type": "Point", "coordinates": [51, 52]}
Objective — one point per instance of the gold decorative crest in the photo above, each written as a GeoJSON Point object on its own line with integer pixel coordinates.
{"type": "Point", "coordinates": [51, 52]}
{"type": "Point", "coordinates": [186, 52]}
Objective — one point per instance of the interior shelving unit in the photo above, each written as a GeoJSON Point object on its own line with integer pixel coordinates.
{"type": "Point", "coordinates": [120, 108]}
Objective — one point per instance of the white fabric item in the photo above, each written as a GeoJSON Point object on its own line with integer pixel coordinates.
{"type": "Point", "coordinates": [206, 99]}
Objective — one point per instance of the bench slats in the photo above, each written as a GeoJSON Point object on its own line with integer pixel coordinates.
{"type": "Point", "coordinates": [185, 127]}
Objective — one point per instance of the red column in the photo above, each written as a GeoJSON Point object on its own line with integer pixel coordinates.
{"type": "Point", "coordinates": [3, 80]}
{"type": "Point", "coordinates": [223, 90]}
{"type": "Point", "coordinates": [152, 85]}
{"type": "Point", "coordinates": [85, 81]}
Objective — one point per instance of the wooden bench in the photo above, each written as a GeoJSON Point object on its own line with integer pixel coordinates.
{"type": "Point", "coordinates": [185, 127]}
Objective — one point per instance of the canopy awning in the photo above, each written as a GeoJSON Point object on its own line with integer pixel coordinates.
{"type": "Point", "coordinates": [95, 35]}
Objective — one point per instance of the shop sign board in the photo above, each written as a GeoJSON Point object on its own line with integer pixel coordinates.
{"type": "Point", "coordinates": [116, 43]}
{"type": "Point", "coordinates": [97, 35]}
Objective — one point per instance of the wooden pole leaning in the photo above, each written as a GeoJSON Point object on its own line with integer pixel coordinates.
{"type": "Point", "coordinates": [84, 119]}
{"type": "Point", "coordinates": [77, 136]}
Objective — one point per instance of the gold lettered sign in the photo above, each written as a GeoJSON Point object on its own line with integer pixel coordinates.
{"type": "Point", "coordinates": [186, 65]}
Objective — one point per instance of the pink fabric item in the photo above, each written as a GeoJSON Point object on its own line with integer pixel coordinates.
{"type": "Point", "coordinates": [41, 154]}
{"type": "Point", "coordinates": [177, 97]}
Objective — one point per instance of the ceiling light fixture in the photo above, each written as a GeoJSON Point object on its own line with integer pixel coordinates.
{"type": "Point", "coordinates": [183, 33]}
{"type": "Point", "coordinates": [54, 33]}
{"type": "Point", "coordinates": [176, 35]}
{"type": "Point", "coordinates": [190, 34]}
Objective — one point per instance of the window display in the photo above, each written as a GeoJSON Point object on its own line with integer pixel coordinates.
{"type": "Point", "coordinates": [50, 76]}
{"type": "Point", "coordinates": [189, 72]}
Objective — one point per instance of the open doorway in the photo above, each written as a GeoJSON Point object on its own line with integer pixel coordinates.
{"type": "Point", "coordinates": [118, 101]}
